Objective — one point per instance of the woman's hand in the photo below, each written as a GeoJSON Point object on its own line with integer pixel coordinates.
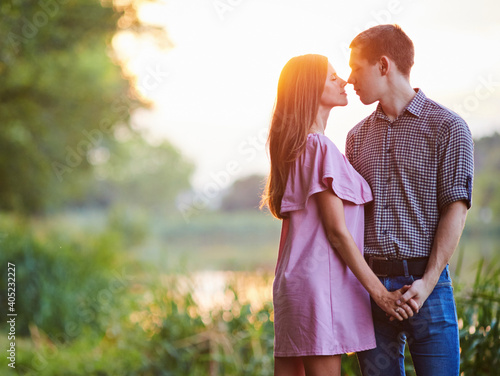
{"type": "Point", "coordinates": [387, 301]}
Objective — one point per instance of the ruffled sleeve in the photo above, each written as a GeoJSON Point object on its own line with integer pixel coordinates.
{"type": "Point", "coordinates": [320, 167]}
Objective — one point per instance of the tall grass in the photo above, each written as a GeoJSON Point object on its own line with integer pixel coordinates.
{"type": "Point", "coordinates": [87, 307]}
{"type": "Point", "coordinates": [478, 310]}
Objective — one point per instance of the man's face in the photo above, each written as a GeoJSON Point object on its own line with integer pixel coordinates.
{"type": "Point", "coordinates": [365, 78]}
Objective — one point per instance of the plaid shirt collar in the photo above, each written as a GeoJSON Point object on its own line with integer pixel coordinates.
{"type": "Point", "coordinates": [414, 107]}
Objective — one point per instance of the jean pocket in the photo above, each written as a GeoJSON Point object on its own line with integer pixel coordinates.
{"type": "Point", "coordinates": [444, 282]}
{"type": "Point", "coordinates": [445, 278]}
{"type": "Point", "coordinates": [444, 285]}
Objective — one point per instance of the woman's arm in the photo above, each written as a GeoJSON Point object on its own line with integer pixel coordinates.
{"type": "Point", "coordinates": [331, 210]}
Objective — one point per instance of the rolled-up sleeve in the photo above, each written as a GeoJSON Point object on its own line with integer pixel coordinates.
{"type": "Point", "coordinates": [456, 163]}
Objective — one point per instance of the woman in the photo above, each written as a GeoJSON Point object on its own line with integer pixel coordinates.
{"type": "Point", "coordinates": [321, 309]}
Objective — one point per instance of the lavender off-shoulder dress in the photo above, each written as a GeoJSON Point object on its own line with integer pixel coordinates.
{"type": "Point", "coordinates": [320, 308]}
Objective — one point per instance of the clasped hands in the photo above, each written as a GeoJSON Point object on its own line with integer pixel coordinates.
{"type": "Point", "coordinates": [404, 303]}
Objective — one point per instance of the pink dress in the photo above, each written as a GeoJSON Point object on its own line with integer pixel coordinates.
{"type": "Point", "coordinates": [320, 308]}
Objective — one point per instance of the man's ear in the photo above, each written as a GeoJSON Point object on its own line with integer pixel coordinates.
{"type": "Point", "coordinates": [384, 65]}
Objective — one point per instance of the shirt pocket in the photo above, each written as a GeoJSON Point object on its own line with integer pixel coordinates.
{"type": "Point", "coordinates": [415, 160]}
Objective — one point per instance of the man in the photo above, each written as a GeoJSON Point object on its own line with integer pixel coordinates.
{"type": "Point", "coordinates": [417, 157]}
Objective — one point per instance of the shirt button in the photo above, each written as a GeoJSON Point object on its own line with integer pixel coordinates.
{"type": "Point", "coordinates": [389, 150]}
{"type": "Point", "coordinates": [389, 180]}
{"type": "Point", "coordinates": [386, 206]}
{"type": "Point", "coordinates": [385, 232]}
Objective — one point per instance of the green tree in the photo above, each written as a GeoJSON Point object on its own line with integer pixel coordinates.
{"type": "Point", "coordinates": [62, 96]}
{"type": "Point", "coordinates": [140, 174]}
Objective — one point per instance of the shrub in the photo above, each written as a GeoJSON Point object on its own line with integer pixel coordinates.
{"type": "Point", "coordinates": [82, 312]}
{"type": "Point", "coordinates": [64, 286]}
{"type": "Point", "coordinates": [479, 315]}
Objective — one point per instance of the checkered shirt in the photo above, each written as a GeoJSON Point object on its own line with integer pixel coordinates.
{"type": "Point", "coordinates": [415, 165]}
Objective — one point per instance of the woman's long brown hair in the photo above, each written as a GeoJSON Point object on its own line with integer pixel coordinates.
{"type": "Point", "coordinates": [300, 86]}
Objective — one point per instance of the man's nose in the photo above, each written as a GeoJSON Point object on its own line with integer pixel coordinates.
{"type": "Point", "coordinates": [350, 79]}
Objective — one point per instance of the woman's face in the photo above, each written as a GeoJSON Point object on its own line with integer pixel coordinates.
{"type": "Point", "coordinates": [334, 92]}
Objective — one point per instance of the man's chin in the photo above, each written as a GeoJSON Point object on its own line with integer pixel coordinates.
{"type": "Point", "coordinates": [366, 101]}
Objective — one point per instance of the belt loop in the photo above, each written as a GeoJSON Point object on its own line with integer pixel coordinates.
{"type": "Point", "coordinates": [405, 267]}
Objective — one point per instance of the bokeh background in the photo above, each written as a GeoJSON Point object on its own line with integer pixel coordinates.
{"type": "Point", "coordinates": [132, 157]}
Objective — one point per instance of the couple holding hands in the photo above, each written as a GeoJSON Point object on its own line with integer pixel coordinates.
{"type": "Point", "coordinates": [366, 238]}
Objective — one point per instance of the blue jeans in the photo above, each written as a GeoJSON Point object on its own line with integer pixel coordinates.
{"type": "Point", "coordinates": [432, 335]}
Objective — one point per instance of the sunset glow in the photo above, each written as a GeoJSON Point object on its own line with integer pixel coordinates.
{"type": "Point", "coordinates": [216, 87]}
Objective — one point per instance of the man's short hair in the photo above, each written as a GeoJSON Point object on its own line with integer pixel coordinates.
{"type": "Point", "coordinates": [386, 40]}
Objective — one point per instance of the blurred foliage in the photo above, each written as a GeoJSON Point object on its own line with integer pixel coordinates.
{"type": "Point", "coordinates": [484, 216]}
{"type": "Point", "coordinates": [478, 310]}
{"type": "Point", "coordinates": [243, 240]}
{"type": "Point", "coordinates": [62, 97]}
{"type": "Point", "coordinates": [67, 284]}
{"type": "Point", "coordinates": [184, 340]}
{"type": "Point", "coordinates": [86, 307]}
{"type": "Point", "coordinates": [244, 194]}
{"type": "Point", "coordinates": [139, 174]}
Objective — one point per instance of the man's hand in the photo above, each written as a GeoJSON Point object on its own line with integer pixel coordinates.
{"type": "Point", "coordinates": [388, 303]}
{"type": "Point", "coordinates": [417, 294]}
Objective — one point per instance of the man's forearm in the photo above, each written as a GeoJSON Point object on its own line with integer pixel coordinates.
{"type": "Point", "coordinates": [449, 230]}
{"type": "Point", "coordinates": [448, 234]}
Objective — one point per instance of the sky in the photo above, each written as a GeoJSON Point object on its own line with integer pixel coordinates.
{"type": "Point", "coordinates": [213, 90]}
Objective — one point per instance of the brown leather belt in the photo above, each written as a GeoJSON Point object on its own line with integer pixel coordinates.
{"type": "Point", "coordinates": [384, 267]}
